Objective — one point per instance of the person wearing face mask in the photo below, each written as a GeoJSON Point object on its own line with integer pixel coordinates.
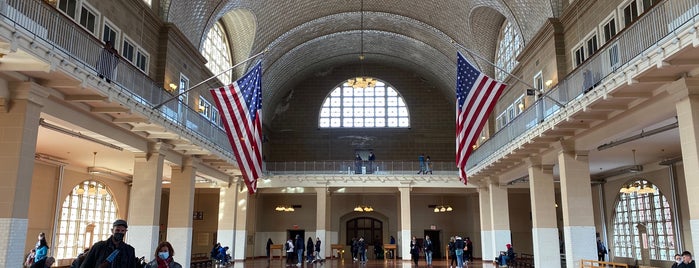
{"type": "Point", "coordinates": [163, 257]}
{"type": "Point", "coordinates": [678, 261]}
{"type": "Point", "coordinates": [113, 252]}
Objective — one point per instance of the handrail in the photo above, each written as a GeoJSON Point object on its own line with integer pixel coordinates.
{"type": "Point", "coordinates": [77, 45]}
{"type": "Point", "coordinates": [630, 43]}
{"type": "Point", "coordinates": [345, 167]}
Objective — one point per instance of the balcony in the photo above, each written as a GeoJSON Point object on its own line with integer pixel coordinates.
{"type": "Point", "coordinates": [591, 92]}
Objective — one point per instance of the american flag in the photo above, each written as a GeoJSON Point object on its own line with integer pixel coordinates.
{"type": "Point", "coordinates": [240, 105]}
{"type": "Point", "coordinates": [476, 95]}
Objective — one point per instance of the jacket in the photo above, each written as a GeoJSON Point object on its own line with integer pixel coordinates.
{"type": "Point", "coordinates": [100, 251]}
{"type": "Point", "coordinates": [171, 264]}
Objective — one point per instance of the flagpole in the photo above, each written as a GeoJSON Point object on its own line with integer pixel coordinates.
{"type": "Point", "coordinates": [206, 80]}
{"type": "Point", "coordinates": [470, 52]}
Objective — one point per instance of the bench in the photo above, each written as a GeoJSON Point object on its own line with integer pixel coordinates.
{"type": "Point", "coordinates": [591, 263]}
{"type": "Point", "coordinates": [201, 260]}
{"type": "Point", "coordinates": [523, 260]}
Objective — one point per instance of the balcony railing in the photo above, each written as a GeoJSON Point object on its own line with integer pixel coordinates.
{"type": "Point", "coordinates": [76, 45]}
{"type": "Point", "coordinates": [651, 28]}
{"type": "Point", "coordinates": [358, 167]}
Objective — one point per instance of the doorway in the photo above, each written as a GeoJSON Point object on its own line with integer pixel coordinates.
{"type": "Point", "coordinates": [293, 233]}
{"type": "Point", "coordinates": [436, 243]}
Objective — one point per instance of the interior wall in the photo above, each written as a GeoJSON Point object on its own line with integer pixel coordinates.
{"type": "Point", "coordinates": [520, 221]}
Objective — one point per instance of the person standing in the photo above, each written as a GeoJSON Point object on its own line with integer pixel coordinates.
{"type": "Point", "coordinates": [42, 248]}
{"type": "Point", "coordinates": [107, 62]}
{"type": "Point", "coordinates": [113, 252]}
{"type": "Point", "coordinates": [687, 261]}
{"type": "Point", "coordinates": [353, 249]}
{"type": "Point", "coordinates": [459, 245]}
{"type": "Point", "coordinates": [601, 250]}
{"type": "Point", "coordinates": [414, 250]}
{"type": "Point", "coordinates": [289, 252]}
{"type": "Point", "coordinates": [469, 250]}
{"type": "Point", "coordinates": [298, 245]}
{"type": "Point", "coordinates": [309, 250]}
{"type": "Point", "coordinates": [678, 261]}
{"type": "Point", "coordinates": [421, 161]}
{"type": "Point", "coordinates": [164, 257]}
{"type": "Point", "coordinates": [372, 157]}
{"type": "Point", "coordinates": [428, 250]}
{"type": "Point", "coordinates": [317, 250]}
{"type": "Point", "coordinates": [268, 247]}
{"type": "Point", "coordinates": [357, 164]}
{"type": "Point", "coordinates": [361, 248]}
{"type": "Point", "coordinates": [428, 164]}
{"type": "Point", "coordinates": [452, 252]}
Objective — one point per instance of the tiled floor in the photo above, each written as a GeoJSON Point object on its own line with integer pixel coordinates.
{"type": "Point", "coordinates": [335, 263]}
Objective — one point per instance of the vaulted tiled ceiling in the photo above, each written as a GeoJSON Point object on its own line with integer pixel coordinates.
{"type": "Point", "coordinates": [307, 36]}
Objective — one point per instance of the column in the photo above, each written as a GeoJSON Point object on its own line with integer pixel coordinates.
{"type": "Point", "coordinates": [241, 217]}
{"type": "Point", "coordinates": [544, 227]}
{"type": "Point", "coordinates": [19, 123]}
{"type": "Point", "coordinates": [499, 216]}
{"type": "Point", "coordinates": [226, 215]}
{"type": "Point", "coordinates": [323, 220]}
{"type": "Point", "coordinates": [405, 226]}
{"type": "Point", "coordinates": [576, 199]}
{"type": "Point", "coordinates": [686, 92]}
{"type": "Point", "coordinates": [486, 225]}
{"type": "Point", "coordinates": [181, 208]}
{"type": "Point", "coordinates": [144, 205]}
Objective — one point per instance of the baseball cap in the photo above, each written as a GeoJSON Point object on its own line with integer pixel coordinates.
{"type": "Point", "coordinates": [120, 222]}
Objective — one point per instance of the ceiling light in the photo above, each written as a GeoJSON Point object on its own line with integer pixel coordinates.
{"type": "Point", "coordinates": [361, 81]}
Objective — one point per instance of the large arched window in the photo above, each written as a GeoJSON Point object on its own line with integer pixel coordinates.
{"type": "Point", "coordinates": [86, 217]}
{"type": "Point", "coordinates": [364, 107]}
{"type": "Point", "coordinates": [217, 53]}
{"type": "Point", "coordinates": [366, 227]}
{"type": "Point", "coordinates": [647, 208]}
{"type": "Point", "coordinates": [509, 47]}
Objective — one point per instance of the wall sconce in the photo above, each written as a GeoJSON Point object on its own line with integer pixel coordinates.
{"type": "Point", "coordinates": [173, 87]}
{"type": "Point", "coordinates": [548, 83]}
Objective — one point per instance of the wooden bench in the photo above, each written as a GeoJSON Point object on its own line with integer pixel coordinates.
{"type": "Point", "coordinates": [201, 260]}
{"type": "Point", "coordinates": [523, 260]}
{"type": "Point", "coordinates": [340, 250]}
{"type": "Point", "coordinates": [389, 248]}
{"type": "Point", "coordinates": [591, 263]}
{"type": "Point", "coordinates": [274, 247]}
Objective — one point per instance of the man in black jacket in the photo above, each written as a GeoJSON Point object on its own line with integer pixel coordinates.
{"type": "Point", "coordinates": [113, 252]}
{"type": "Point", "coordinates": [298, 245]}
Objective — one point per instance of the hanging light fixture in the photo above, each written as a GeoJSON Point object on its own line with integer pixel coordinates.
{"type": "Point", "coordinates": [442, 207]}
{"type": "Point", "coordinates": [361, 81]}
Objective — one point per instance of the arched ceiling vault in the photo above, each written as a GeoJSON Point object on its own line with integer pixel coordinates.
{"type": "Point", "coordinates": [308, 36]}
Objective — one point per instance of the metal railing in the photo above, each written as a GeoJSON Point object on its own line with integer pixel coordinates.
{"type": "Point", "coordinates": [350, 167]}
{"type": "Point", "coordinates": [77, 45]}
{"type": "Point", "coordinates": [650, 28]}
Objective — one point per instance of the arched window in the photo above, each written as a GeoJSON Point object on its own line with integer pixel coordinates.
{"type": "Point", "coordinates": [509, 47]}
{"type": "Point", "coordinates": [366, 227]}
{"type": "Point", "coordinates": [364, 107]}
{"type": "Point", "coordinates": [647, 208]}
{"type": "Point", "coordinates": [86, 217]}
{"type": "Point", "coordinates": [217, 53]}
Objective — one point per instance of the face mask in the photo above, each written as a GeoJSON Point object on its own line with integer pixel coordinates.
{"type": "Point", "coordinates": [164, 255]}
{"type": "Point", "coordinates": [119, 236]}
{"type": "Point", "coordinates": [678, 261]}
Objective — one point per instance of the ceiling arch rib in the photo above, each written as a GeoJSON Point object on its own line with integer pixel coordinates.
{"type": "Point", "coordinates": [241, 27]}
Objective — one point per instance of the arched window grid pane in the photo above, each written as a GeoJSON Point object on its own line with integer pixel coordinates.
{"type": "Point", "coordinates": [366, 227]}
{"type": "Point", "coordinates": [217, 53]}
{"type": "Point", "coordinates": [509, 46]}
{"type": "Point", "coordinates": [380, 106]}
{"type": "Point", "coordinates": [651, 210]}
{"type": "Point", "coordinates": [89, 204]}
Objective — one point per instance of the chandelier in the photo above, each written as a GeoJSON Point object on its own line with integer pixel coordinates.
{"type": "Point", "coordinates": [284, 208]}
{"type": "Point", "coordinates": [363, 208]}
{"type": "Point", "coordinates": [361, 81]}
{"type": "Point", "coordinates": [637, 187]}
{"type": "Point", "coordinates": [446, 208]}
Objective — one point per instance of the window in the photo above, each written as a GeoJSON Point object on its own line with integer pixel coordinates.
{"type": "Point", "coordinates": [629, 12]}
{"type": "Point", "coordinates": [142, 60]}
{"type": "Point", "coordinates": [110, 33]}
{"type": "Point", "coordinates": [609, 29]}
{"type": "Point", "coordinates": [127, 50]}
{"type": "Point", "coordinates": [651, 210]}
{"type": "Point", "coordinates": [69, 7]}
{"type": "Point", "coordinates": [368, 228]}
{"type": "Point", "coordinates": [86, 217]}
{"type": "Point", "coordinates": [217, 53]}
{"type": "Point", "coordinates": [591, 45]}
{"type": "Point", "coordinates": [89, 18]}
{"type": "Point", "coordinates": [369, 107]}
{"type": "Point", "coordinates": [501, 121]}
{"type": "Point", "coordinates": [508, 48]}
{"type": "Point", "coordinates": [648, 4]}
{"type": "Point", "coordinates": [579, 56]}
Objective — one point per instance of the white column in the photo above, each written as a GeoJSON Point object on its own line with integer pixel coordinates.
{"type": "Point", "coordinates": [240, 224]}
{"type": "Point", "coordinates": [323, 220]}
{"type": "Point", "coordinates": [144, 206]}
{"type": "Point", "coordinates": [405, 226]}
{"type": "Point", "coordinates": [19, 123]}
{"type": "Point", "coordinates": [576, 199]}
{"type": "Point", "coordinates": [544, 227]}
{"type": "Point", "coordinates": [499, 217]}
{"type": "Point", "coordinates": [180, 212]}
{"type": "Point", "coordinates": [686, 92]}
{"type": "Point", "coordinates": [486, 225]}
{"type": "Point", "coordinates": [226, 215]}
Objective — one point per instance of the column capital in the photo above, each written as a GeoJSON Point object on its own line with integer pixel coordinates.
{"type": "Point", "coordinates": [684, 87]}
{"type": "Point", "coordinates": [29, 91]}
